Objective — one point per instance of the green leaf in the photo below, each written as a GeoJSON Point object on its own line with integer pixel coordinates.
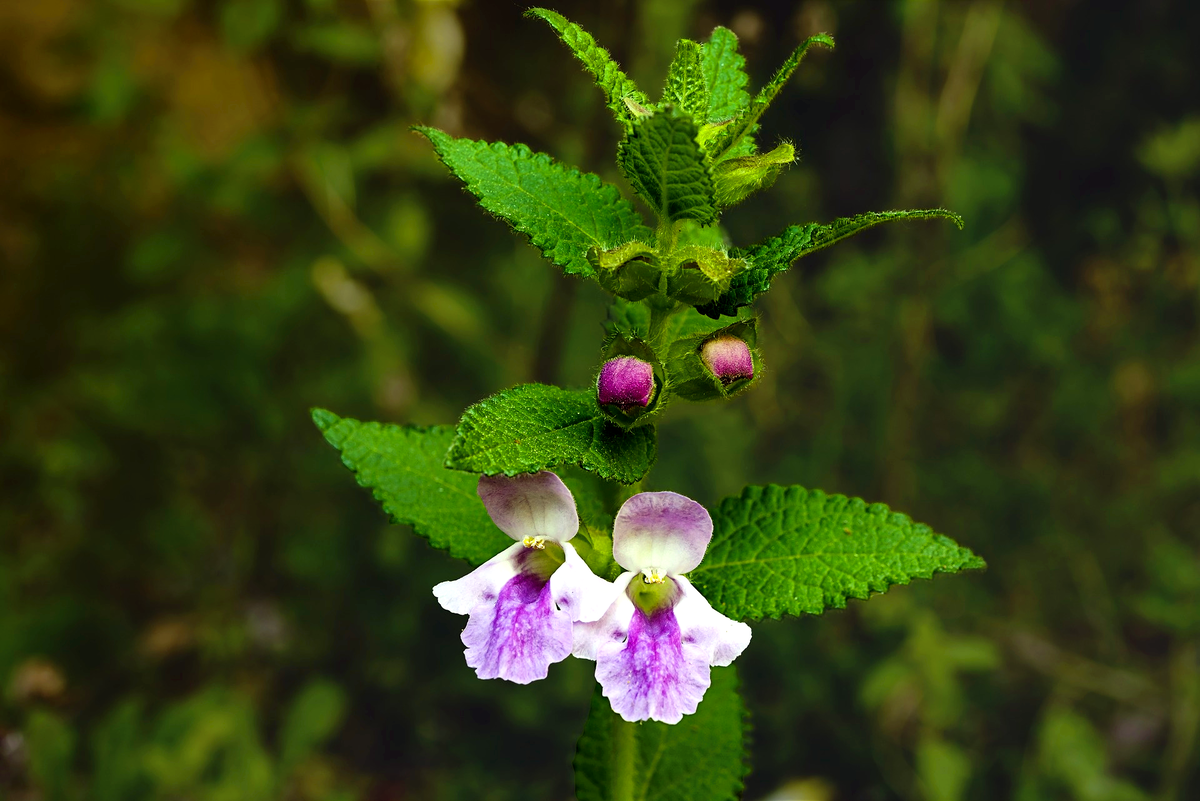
{"type": "Point", "coordinates": [536, 427]}
{"type": "Point", "coordinates": [724, 75]}
{"type": "Point", "coordinates": [615, 84]}
{"type": "Point", "coordinates": [744, 123]}
{"type": "Point", "coordinates": [775, 255]}
{"type": "Point", "coordinates": [788, 550]}
{"type": "Point", "coordinates": [403, 468]}
{"type": "Point", "coordinates": [687, 88]}
{"type": "Point", "coordinates": [563, 211]}
{"type": "Point", "coordinates": [630, 271]}
{"type": "Point", "coordinates": [665, 165]}
{"type": "Point", "coordinates": [701, 758]}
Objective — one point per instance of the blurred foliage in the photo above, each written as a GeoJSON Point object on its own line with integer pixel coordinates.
{"type": "Point", "coordinates": [213, 216]}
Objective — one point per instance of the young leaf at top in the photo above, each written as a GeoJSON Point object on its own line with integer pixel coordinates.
{"type": "Point", "coordinates": [701, 758]}
{"type": "Point", "coordinates": [537, 427]}
{"type": "Point", "coordinates": [775, 255]}
{"type": "Point", "coordinates": [788, 550]}
{"type": "Point", "coordinates": [563, 211]}
{"type": "Point", "coordinates": [616, 85]}
{"type": "Point", "coordinates": [402, 466]}
{"type": "Point", "coordinates": [743, 124]}
{"type": "Point", "coordinates": [686, 87]}
{"type": "Point", "coordinates": [665, 165]}
{"type": "Point", "coordinates": [724, 75]}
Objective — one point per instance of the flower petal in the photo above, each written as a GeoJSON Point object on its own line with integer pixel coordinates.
{"type": "Point", "coordinates": [481, 586]}
{"type": "Point", "coordinates": [530, 505]}
{"type": "Point", "coordinates": [654, 674]}
{"type": "Point", "coordinates": [611, 627]}
{"type": "Point", "coordinates": [578, 591]}
{"type": "Point", "coordinates": [663, 530]}
{"type": "Point", "coordinates": [519, 636]}
{"type": "Point", "coordinates": [722, 640]}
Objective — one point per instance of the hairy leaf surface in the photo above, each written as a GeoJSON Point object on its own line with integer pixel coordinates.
{"type": "Point", "coordinates": [724, 75]}
{"type": "Point", "coordinates": [686, 85]}
{"type": "Point", "coordinates": [615, 84]}
{"type": "Point", "coordinates": [701, 758]}
{"type": "Point", "coordinates": [788, 550]}
{"type": "Point", "coordinates": [665, 165]}
{"type": "Point", "coordinates": [537, 427]}
{"type": "Point", "coordinates": [402, 466]}
{"type": "Point", "coordinates": [775, 255]}
{"type": "Point", "coordinates": [563, 211]}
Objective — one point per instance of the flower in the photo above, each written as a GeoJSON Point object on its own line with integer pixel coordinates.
{"type": "Point", "coordinates": [625, 381]}
{"type": "Point", "coordinates": [655, 644]}
{"type": "Point", "coordinates": [728, 358]}
{"type": "Point", "coordinates": [523, 601]}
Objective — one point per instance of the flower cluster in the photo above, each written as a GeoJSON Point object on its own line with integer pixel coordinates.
{"type": "Point", "coordinates": [652, 635]}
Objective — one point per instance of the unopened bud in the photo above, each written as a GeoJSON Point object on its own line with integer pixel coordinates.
{"type": "Point", "coordinates": [728, 358]}
{"type": "Point", "coordinates": [625, 381]}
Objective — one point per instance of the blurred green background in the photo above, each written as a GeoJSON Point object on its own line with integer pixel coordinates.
{"type": "Point", "coordinates": [212, 217]}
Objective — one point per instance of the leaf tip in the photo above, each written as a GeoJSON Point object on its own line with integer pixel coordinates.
{"type": "Point", "coordinates": [324, 419]}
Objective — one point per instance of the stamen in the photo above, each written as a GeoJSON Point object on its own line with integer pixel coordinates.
{"type": "Point", "coordinates": [652, 575]}
{"type": "Point", "coordinates": [535, 542]}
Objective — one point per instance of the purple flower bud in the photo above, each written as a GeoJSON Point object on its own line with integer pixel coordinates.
{"type": "Point", "coordinates": [729, 358]}
{"type": "Point", "coordinates": [625, 381]}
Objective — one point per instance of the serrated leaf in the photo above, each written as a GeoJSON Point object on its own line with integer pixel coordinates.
{"type": "Point", "coordinates": [701, 758]}
{"type": "Point", "coordinates": [537, 427]}
{"type": "Point", "coordinates": [686, 87]}
{"type": "Point", "coordinates": [665, 165]}
{"type": "Point", "coordinates": [735, 179]}
{"type": "Point", "coordinates": [724, 75]}
{"type": "Point", "coordinates": [616, 85]}
{"type": "Point", "coordinates": [563, 211]}
{"type": "Point", "coordinates": [788, 551]}
{"type": "Point", "coordinates": [776, 255]}
{"type": "Point", "coordinates": [402, 466]}
{"type": "Point", "coordinates": [721, 145]}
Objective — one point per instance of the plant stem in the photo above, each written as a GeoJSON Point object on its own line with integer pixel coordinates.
{"type": "Point", "coordinates": [623, 755]}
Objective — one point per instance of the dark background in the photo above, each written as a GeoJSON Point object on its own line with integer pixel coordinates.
{"type": "Point", "coordinates": [213, 217]}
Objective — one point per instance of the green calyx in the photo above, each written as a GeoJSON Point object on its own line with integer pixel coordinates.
{"type": "Point", "coordinates": [691, 379]}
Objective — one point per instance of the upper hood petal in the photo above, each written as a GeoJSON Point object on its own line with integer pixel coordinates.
{"type": "Point", "coordinates": [530, 505]}
{"type": "Point", "coordinates": [663, 530]}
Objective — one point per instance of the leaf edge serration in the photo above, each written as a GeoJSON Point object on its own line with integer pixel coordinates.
{"type": "Point", "coordinates": [772, 606]}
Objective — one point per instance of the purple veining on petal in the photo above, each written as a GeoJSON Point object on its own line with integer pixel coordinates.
{"type": "Point", "coordinates": [728, 358]}
{"type": "Point", "coordinates": [530, 505]}
{"type": "Point", "coordinates": [519, 636]}
{"type": "Point", "coordinates": [655, 674]}
{"type": "Point", "coordinates": [663, 530]}
{"type": "Point", "coordinates": [625, 381]}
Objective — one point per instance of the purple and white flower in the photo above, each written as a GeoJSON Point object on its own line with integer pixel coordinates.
{"type": "Point", "coordinates": [654, 646]}
{"type": "Point", "coordinates": [523, 601]}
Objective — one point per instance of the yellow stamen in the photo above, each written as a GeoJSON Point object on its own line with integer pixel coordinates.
{"type": "Point", "coordinates": [535, 542]}
{"type": "Point", "coordinates": [652, 575]}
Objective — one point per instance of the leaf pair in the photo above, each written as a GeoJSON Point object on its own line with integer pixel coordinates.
{"type": "Point", "coordinates": [775, 550]}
